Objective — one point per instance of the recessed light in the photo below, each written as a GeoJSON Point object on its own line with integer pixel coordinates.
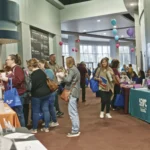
{"type": "Point", "coordinates": [98, 20]}
{"type": "Point", "coordinates": [122, 36]}
{"type": "Point", "coordinates": [132, 4]}
{"type": "Point", "coordinates": [104, 33]}
{"type": "Point", "coordinates": [84, 30]}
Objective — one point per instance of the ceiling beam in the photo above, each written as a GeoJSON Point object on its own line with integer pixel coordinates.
{"type": "Point", "coordinates": [94, 36]}
{"type": "Point", "coordinates": [109, 29]}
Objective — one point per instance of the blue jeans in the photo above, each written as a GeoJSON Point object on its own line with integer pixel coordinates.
{"type": "Point", "coordinates": [73, 113]}
{"type": "Point", "coordinates": [19, 111]}
{"type": "Point", "coordinates": [52, 107]}
{"type": "Point", "coordinates": [38, 105]}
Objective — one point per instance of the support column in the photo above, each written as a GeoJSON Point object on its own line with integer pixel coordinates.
{"type": "Point", "coordinates": [138, 42]}
{"type": "Point", "coordinates": [57, 49]}
{"type": "Point", "coordinates": [147, 30]}
{"type": "Point", "coordinates": [76, 45]}
{"type": "Point", "coordinates": [114, 52]}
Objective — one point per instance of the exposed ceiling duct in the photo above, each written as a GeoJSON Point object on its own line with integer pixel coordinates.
{"type": "Point", "coordinates": [132, 6]}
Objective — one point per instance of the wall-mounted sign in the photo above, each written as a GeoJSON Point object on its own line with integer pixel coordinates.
{"type": "Point", "coordinates": [39, 44]}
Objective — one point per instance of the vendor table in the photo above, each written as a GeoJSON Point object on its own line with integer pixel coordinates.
{"type": "Point", "coordinates": [139, 103]}
{"type": "Point", "coordinates": [9, 115]}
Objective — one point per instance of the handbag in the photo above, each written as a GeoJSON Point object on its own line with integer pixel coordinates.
{"type": "Point", "coordinates": [11, 96]}
{"type": "Point", "coordinates": [51, 84]}
{"type": "Point", "coordinates": [66, 93]}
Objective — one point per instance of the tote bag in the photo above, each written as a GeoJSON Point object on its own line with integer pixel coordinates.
{"type": "Point", "coordinates": [119, 101]}
{"type": "Point", "coordinates": [94, 85]}
{"type": "Point", "coordinates": [11, 96]}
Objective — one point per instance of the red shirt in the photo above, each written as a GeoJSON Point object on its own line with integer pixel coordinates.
{"type": "Point", "coordinates": [18, 79]}
{"type": "Point", "coordinates": [116, 72]}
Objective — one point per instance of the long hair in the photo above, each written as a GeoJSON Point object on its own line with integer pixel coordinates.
{"type": "Point", "coordinates": [107, 60]}
{"type": "Point", "coordinates": [115, 63]}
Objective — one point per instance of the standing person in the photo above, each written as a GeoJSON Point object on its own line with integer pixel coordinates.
{"type": "Point", "coordinates": [40, 93]}
{"type": "Point", "coordinates": [104, 76]}
{"type": "Point", "coordinates": [115, 65]}
{"type": "Point", "coordinates": [84, 74]}
{"type": "Point", "coordinates": [72, 81]}
{"type": "Point", "coordinates": [43, 64]}
{"type": "Point", "coordinates": [18, 82]}
{"type": "Point", "coordinates": [54, 66]}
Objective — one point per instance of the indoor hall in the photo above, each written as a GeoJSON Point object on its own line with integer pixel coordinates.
{"type": "Point", "coordinates": [74, 74]}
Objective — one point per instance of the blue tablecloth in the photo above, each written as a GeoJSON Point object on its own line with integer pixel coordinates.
{"type": "Point", "coordinates": [139, 104]}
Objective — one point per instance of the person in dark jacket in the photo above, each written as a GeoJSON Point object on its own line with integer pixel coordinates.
{"type": "Point", "coordinates": [40, 93]}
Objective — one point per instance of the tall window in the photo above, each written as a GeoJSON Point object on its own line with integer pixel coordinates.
{"type": "Point", "coordinates": [124, 55]}
{"type": "Point", "coordinates": [93, 54]}
{"type": "Point", "coordinates": [65, 51]}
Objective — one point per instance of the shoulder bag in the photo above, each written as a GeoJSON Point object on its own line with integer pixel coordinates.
{"type": "Point", "coordinates": [66, 93]}
{"type": "Point", "coordinates": [51, 84]}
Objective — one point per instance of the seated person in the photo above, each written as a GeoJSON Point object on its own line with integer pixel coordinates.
{"type": "Point", "coordinates": [134, 76]}
{"type": "Point", "coordinates": [141, 76]}
{"type": "Point", "coordinates": [124, 78]}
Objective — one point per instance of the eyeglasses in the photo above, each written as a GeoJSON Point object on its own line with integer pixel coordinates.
{"type": "Point", "coordinates": [8, 59]}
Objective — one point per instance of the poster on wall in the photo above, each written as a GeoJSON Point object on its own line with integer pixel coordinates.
{"type": "Point", "coordinates": [39, 44]}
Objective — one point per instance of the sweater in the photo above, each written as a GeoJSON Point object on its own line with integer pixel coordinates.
{"type": "Point", "coordinates": [18, 79]}
{"type": "Point", "coordinates": [39, 84]}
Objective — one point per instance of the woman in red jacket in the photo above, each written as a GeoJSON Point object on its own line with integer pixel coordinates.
{"type": "Point", "coordinates": [18, 82]}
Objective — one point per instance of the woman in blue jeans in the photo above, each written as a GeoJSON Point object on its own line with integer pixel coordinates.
{"type": "Point", "coordinates": [40, 93]}
{"type": "Point", "coordinates": [72, 83]}
{"type": "Point", "coordinates": [43, 64]}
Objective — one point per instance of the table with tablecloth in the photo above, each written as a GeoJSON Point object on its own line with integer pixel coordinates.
{"type": "Point", "coordinates": [9, 115]}
{"type": "Point", "coordinates": [139, 104]}
{"type": "Point", "coordinates": [126, 92]}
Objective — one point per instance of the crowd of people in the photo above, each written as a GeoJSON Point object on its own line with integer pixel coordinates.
{"type": "Point", "coordinates": [32, 88]}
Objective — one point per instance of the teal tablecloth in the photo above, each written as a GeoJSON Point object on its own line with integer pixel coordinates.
{"type": "Point", "coordinates": [139, 104]}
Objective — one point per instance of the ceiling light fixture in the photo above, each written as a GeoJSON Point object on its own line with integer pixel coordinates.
{"type": "Point", "coordinates": [132, 4]}
{"type": "Point", "coordinates": [122, 36]}
{"type": "Point", "coordinates": [98, 20]}
{"type": "Point", "coordinates": [84, 30]}
{"type": "Point", "coordinates": [104, 33]}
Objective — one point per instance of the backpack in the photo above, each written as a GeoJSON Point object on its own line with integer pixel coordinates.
{"type": "Point", "coordinates": [27, 80]}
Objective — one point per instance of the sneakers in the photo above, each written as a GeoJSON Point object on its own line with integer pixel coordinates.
{"type": "Point", "coordinates": [33, 131]}
{"type": "Point", "coordinates": [73, 134]}
{"type": "Point", "coordinates": [54, 124]}
{"type": "Point", "coordinates": [45, 130]}
{"type": "Point", "coordinates": [59, 114]}
{"type": "Point", "coordinates": [101, 114]}
{"type": "Point", "coordinates": [108, 116]}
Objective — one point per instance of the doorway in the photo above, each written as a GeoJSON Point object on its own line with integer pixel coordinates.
{"type": "Point", "coordinates": [89, 65]}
